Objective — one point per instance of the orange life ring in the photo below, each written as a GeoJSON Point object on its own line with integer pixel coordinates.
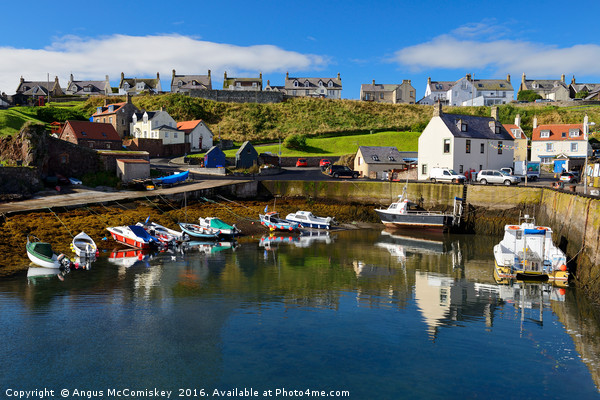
{"type": "Point", "coordinates": [514, 227]}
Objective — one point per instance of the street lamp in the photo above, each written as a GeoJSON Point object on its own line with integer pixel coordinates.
{"type": "Point", "coordinates": [586, 129]}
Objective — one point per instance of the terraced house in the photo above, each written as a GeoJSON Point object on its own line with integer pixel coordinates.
{"type": "Point", "coordinates": [117, 114]}
{"type": "Point", "coordinates": [558, 141]}
{"type": "Point", "coordinates": [388, 93]}
{"type": "Point", "coordinates": [549, 89]}
{"type": "Point", "coordinates": [88, 88]}
{"type": "Point", "coordinates": [139, 85]}
{"type": "Point", "coordinates": [186, 83]}
{"type": "Point", "coordinates": [468, 91]}
{"type": "Point", "coordinates": [329, 88]}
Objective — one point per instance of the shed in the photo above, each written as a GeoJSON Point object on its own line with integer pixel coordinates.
{"type": "Point", "coordinates": [130, 169]}
{"type": "Point", "coordinates": [214, 158]}
{"type": "Point", "coordinates": [246, 156]}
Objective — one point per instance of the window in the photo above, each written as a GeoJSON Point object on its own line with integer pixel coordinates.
{"type": "Point", "coordinates": [306, 92]}
{"type": "Point", "coordinates": [482, 149]}
{"type": "Point", "coordinates": [574, 147]}
{"type": "Point", "coordinates": [110, 120]}
{"type": "Point", "coordinates": [500, 147]}
{"type": "Point", "coordinates": [381, 96]}
{"type": "Point", "coordinates": [330, 84]}
{"type": "Point", "coordinates": [108, 146]}
{"type": "Point", "coordinates": [254, 84]}
{"type": "Point", "coordinates": [175, 135]}
{"type": "Point", "coordinates": [463, 127]}
{"type": "Point", "coordinates": [497, 129]}
{"type": "Point", "coordinates": [83, 134]}
{"type": "Point", "coordinates": [545, 134]}
{"type": "Point", "coordinates": [460, 169]}
{"type": "Point", "coordinates": [563, 134]}
{"type": "Point", "coordinates": [391, 158]}
{"type": "Point", "coordinates": [424, 169]}
{"type": "Point", "coordinates": [446, 146]}
{"type": "Point", "coordinates": [549, 146]}
{"type": "Point", "coordinates": [573, 132]}
{"type": "Point", "coordinates": [166, 135]}
{"type": "Point", "coordinates": [468, 146]}
{"type": "Point", "coordinates": [306, 83]}
{"type": "Point", "coordinates": [179, 83]}
{"type": "Point", "coordinates": [375, 157]}
{"type": "Point", "coordinates": [516, 133]}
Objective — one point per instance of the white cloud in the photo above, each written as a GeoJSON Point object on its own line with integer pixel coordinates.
{"type": "Point", "coordinates": [458, 50]}
{"type": "Point", "coordinates": [144, 56]}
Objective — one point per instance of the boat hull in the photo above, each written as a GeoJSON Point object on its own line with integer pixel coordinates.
{"type": "Point", "coordinates": [508, 272]}
{"type": "Point", "coordinates": [40, 262]}
{"type": "Point", "coordinates": [416, 220]}
{"type": "Point", "coordinates": [196, 231]}
{"type": "Point", "coordinates": [84, 246]}
{"type": "Point", "coordinates": [122, 236]}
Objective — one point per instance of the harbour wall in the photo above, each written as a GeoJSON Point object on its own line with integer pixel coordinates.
{"type": "Point", "coordinates": [574, 219]}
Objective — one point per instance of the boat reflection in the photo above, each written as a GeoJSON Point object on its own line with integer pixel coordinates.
{"type": "Point", "coordinates": [402, 245]}
{"type": "Point", "coordinates": [36, 275]}
{"type": "Point", "coordinates": [309, 237]}
{"type": "Point", "coordinates": [129, 257]}
{"type": "Point", "coordinates": [208, 247]}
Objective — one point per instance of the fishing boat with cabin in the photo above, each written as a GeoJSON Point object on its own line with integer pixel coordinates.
{"type": "Point", "coordinates": [528, 252]}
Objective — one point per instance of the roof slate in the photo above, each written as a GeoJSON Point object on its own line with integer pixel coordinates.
{"type": "Point", "coordinates": [477, 127]}
{"type": "Point", "coordinates": [94, 130]}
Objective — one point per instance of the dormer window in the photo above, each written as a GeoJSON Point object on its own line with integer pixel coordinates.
{"type": "Point", "coordinates": [573, 132]}
{"type": "Point", "coordinates": [516, 133]}
{"type": "Point", "coordinates": [179, 84]}
{"type": "Point", "coordinates": [140, 85]}
{"type": "Point", "coordinates": [545, 133]}
{"type": "Point", "coordinates": [295, 83]}
{"type": "Point", "coordinates": [320, 83]}
{"type": "Point", "coordinates": [126, 85]}
{"type": "Point", "coordinates": [306, 83]}
{"type": "Point", "coordinates": [391, 158]}
{"type": "Point", "coordinates": [87, 89]}
{"type": "Point", "coordinates": [535, 85]}
{"type": "Point", "coordinates": [98, 110]}
{"type": "Point", "coordinates": [83, 134]}
{"type": "Point", "coordinates": [111, 108]}
{"type": "Point", "coordinates": [330, 84]}
{"type": "Point", "coordinates": [375, 157]}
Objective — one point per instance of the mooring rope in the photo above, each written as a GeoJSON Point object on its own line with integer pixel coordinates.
{"type": "Point", "coordinates": [59, 220]}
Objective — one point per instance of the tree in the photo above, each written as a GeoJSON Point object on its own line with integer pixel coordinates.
{"type": "Point", "coordinates": [528, 95]}
{"type": "Point", "coordinates": [582, 95]}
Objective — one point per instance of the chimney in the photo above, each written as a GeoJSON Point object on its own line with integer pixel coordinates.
{"type": "Point", "coordinates": [339, 79]}
{"type": "Point", "coordinates": [173, 75]}
{"type": "Point", "coordinates": [268, 82]}
{"type": "Point", "coordinates": [22, 79]}
{"type": "Point", "coordinates": [562, 78]}
{"type": "Point", "coordinates": [105, 102]}
{"type": "Point", "coordinates": [287, 75]}
{"type": "Point", "coordinates": [71, 78]}
{"type": "Point", "coordinates": [373, 82]}
{"type": "Point", "coordinates": [508, 78]}
{"type": "Point", "coordinates": [523, 78]}
{"type": "Point", "coordinates": [437, 109]}
{"type": "Point", "coordinates": [209, 73]}
{"type": "Point", "coordinates": [260, 76]}
{"type": "Point", "coordinates": [518, 120]}
{"type": "Point", "coordinates": [573, 80]}
{"type": "Point", "coordinates": [534, 121]}
{"type": "Point", "coordinates": [225, 75]}
{"type": "Point", "coordinates": [157, 76]}
{"type": "Point", "coordinates": [428, 81]}
{"type": "Point", "coordinates": [495, 113]}
{"type": "Point", "coordinates": [122, 76]}
{"type": "Point", "coordinates": [127, 98]}
{"type": "Point", "coordinates": [469, 77]}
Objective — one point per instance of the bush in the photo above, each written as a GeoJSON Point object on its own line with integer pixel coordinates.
{"type": "Point", "coordinates": [295, 142]}
{"type": "Point", "coordinates": [102, 178]}
{"type": "Point", "coordinates": [528, 95]}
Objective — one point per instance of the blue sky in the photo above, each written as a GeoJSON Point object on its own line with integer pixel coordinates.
{"type": "Point", "coordinates": [383, 40]}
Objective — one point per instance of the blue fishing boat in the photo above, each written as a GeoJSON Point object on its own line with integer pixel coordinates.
{"type": "Point", "coordinates": [172, 179]}
{"type": "Point", "coordinates": [272, 221]}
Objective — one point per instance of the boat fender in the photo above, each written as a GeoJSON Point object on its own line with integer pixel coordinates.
{"type": "Point", "coordinates": [513, 227]}
{"type": "Point", "coordinates": [291, 229]}
{"type": "Point", "coordinates": [563, 267]}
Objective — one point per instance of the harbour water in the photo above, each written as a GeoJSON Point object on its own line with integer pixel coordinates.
{"type": "Point", "coordinates": [360, 314]}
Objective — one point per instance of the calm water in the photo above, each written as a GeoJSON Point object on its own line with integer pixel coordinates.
{"type": "Point", "coordinates": [379, 316]}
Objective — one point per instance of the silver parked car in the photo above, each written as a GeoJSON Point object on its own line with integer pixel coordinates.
{"type": "Point", "coordinates": [494, 176]}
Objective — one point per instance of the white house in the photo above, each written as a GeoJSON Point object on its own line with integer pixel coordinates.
{"type": "Point", "coordinates": [480, 92]}
{"type": "Point", "coordinates": [549, 142]}
{"type": "Point", "coordinates": [156, 125]}
{"type": "Point", "coordinates": [197, 134]}
{"type": "Point", "coordinates": [436, 91]}
{"type": "Point", "coordinates": [463, 143]}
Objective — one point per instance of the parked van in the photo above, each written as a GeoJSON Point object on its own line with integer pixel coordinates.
{"type": "Point", "coordinates": [445, 175]}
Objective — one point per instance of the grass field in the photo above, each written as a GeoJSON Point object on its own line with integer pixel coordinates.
{"type": "Point", "coordinates": [340, 145]}
{"type": "Point", "coordinates": [13, 119]}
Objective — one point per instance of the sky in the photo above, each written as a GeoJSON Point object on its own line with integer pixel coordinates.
{"type": "Point", "coordinates": [387, 41]}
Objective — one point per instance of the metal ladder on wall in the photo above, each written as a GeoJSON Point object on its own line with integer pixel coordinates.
{"type": "Point", "coordinates": [459, 206]}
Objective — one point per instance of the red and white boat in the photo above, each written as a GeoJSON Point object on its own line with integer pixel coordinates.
{"type": "Point", "coordinates": [133, 235]}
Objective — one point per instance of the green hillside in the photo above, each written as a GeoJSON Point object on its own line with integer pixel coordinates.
{"type": "Point", "coordinates": [13, 119]}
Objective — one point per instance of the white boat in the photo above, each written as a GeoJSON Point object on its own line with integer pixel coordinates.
{"type": "Point", "coordinates": [41, 254]}
{"type": "Point", "coordinates": [216, 225]}
{"type": "Point", "coordinates": [306, 219]}
{"type": "Point", "coordinates": [272, 221]}
{"type": "Point", "coordinates": [84, 246]}
{"type": "Point", "coordinates": [405, 214]}
{"type": "Point", "coordinates": [527, 251]}
{"type": "Point", "coordinates": [165, 235]}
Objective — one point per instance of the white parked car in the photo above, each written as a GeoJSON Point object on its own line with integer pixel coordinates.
{"type": "Point", "coordinates": [445, 175]}
{"type": "Point", "coordinates": [494, 176]}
